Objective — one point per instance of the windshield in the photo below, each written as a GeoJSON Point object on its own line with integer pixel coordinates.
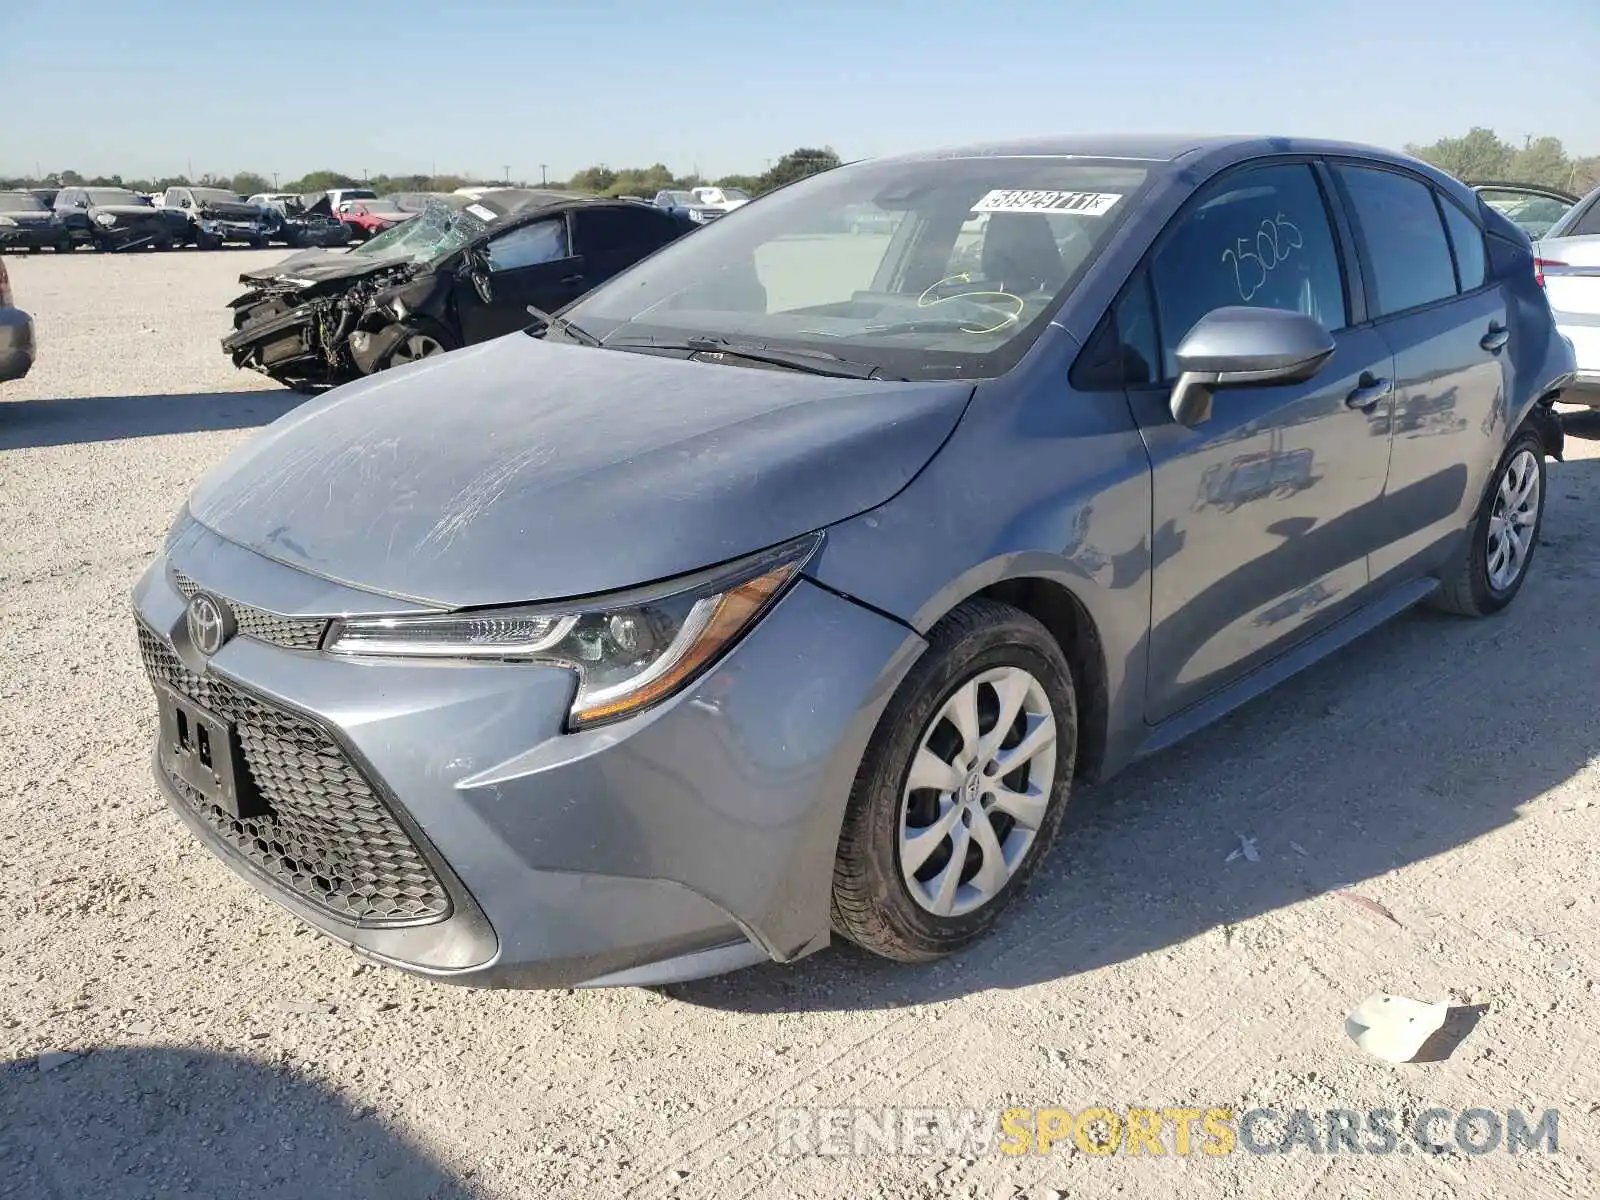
{"type": "Point", "coordinates": [438, 230]}
{"type": "Point", "coordinates": [216, 196]}
{"type": "Point", "coordinates": [934, 269]}
{"type": "Point", "coordinates": [112, 196]}
{"type": "Point", "coordinates": [20, 202]}
{"type": "Point", "coordinates": [381, 206]}
{"type": "Point", "coordinates": [678, 197]}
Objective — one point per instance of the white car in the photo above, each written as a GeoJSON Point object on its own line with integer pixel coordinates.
{"type": "Point", "coordinates": [1568, 262]}
{"type": "Point", "coordinates": [721, 198]}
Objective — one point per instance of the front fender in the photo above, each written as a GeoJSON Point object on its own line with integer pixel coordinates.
{"type": "Point", "coordinates": [1037, 482]}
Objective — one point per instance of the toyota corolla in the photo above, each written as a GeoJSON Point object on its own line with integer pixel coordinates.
{"type": "Point", "coordinates": [788, 584]}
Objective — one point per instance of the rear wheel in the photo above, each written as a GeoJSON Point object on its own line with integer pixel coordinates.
{"type": "Point", "coordinates": [1491, 567]}
{"type": "Point", "coordinates": [962, 789]}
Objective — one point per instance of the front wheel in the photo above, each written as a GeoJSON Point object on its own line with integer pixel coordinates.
{"type": "Point", "coordinates": [419, 339]}
{"type": "Point", "coordinates": [1490, 569]}
{"type": "Point", "coordinates": [962, 788]}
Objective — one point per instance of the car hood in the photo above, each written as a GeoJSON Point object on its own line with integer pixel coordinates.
{"type": "Point", "coordinates": [28, 217]}
{"type": "Point", "coordinates": [318, 266]}
{"type": "Point", "coordinates": [231, 212]}
{"type": "Point", "coordinates": [519, 470]}
{"type": "Point", "coordinates": [126, 211]}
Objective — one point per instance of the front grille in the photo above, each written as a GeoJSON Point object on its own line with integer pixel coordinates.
{"type": "Point", "coordinates": [293, 633]}
{"type": "Point", "coordinates": [327, 838]}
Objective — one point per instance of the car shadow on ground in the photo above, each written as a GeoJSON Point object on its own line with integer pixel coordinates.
{"type": "Point", "coordinates": [147, 1121]}
{"type": "Point", "coordinates": [81, 420]}
{"type": "Point", "coordinates": [1416, 740]}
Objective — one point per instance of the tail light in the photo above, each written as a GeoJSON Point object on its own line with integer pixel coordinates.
{"type": "Point", "coordinates": [5, 287]}
{"type": "Point", "coordinates": [1539, 264]}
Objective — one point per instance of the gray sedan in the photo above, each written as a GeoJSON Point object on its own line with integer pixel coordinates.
{"type": "Point", "coordinates": [789, 584]}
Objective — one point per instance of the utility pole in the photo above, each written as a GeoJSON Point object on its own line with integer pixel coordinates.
{"type": "Point", "coordinates": [274, 181]}
{"type": "Point", "coordinates": [507, 170]}
{"type": "Point", "coordinates": [543, 178]}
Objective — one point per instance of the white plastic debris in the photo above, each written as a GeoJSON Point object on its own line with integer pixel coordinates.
{"type": "Point", "coordinates": [1247, 847]}
{"type": "Point", "coordinates": [1394, 1028]}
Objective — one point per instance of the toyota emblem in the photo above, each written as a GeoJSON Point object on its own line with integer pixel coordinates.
{"type": "Point", "coordinates": [210, 623]}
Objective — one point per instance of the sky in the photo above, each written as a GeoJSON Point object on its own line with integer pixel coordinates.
{"type": "Point", "coordinates": [145, 88]}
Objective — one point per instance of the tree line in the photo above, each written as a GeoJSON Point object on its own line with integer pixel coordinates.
{"type": "Point", "coordinates": [1481, 155]}
{"type": "Point", "coordinates": [599, 180]}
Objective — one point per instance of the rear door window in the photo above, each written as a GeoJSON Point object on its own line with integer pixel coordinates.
{"type": "Point", "coordinates": [1466, 239]}
{"type": "Point", "coordinates": [1258, 237]}
{"type": "Point", "coordinates": [1407, 252]}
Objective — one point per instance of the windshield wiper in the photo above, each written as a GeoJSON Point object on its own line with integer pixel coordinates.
{"type": "Point", "coordinates": [812, 362]}
{"type": "Point", "coordinates": [576, 332]}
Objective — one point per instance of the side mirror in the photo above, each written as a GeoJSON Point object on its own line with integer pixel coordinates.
{"type": "Point", "coordinates": [480, 284]}
{"type": "Point", "coordinates": [1244, 347]}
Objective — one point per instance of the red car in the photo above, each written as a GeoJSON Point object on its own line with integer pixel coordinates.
{"type": "Point", "coordinates": [367, 217]}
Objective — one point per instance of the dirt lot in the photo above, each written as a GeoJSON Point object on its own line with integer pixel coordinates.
{"type": "Point", "coordinates": [1443, 770]}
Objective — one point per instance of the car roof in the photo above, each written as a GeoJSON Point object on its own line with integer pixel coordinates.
{"type": "Point", "coordinates": [1147, 147]}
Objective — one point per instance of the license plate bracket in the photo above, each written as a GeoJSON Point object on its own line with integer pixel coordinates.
{"type": "Point", "coordinates": [204, 751]}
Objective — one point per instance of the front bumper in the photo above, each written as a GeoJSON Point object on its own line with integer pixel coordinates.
{"type": "Point", "coordinates": [690, 840]}
{"type": "Point", "coordinates": [234, 231]}
{"type": "Point", "coordinates": [16, 344]}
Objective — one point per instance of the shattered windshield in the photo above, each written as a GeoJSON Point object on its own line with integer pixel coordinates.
{"type": "Point", "coordinates": [438, 230]}
{"type": "Point", "coordinates": [957, 272]}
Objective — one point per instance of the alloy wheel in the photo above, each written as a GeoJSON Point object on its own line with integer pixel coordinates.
{"type": "Point", "coordinates": [977, 791]}
{"type": "Point", "coordinates": [1512, 521]}
{"type": "Point", "coordinates": [414, 347]}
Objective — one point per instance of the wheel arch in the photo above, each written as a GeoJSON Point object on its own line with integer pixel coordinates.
{"type": "Point", "coordinates": [1064, 615]}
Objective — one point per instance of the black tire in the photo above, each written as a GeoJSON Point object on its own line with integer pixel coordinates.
{"type": "Point", "coordinates": [204, 241]}
{"type": "Point", "coordinates": [872, 905]}
{"type": "Point", "coordinates": [1466, 588]}
{"type": "Point", "coordinates": [64, 246]}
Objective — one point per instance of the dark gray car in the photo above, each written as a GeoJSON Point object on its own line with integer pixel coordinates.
{"type": "Point", "coordinates": [788, 584]}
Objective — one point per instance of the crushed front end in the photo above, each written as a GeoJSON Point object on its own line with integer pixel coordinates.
{"type": "Point", "coordinates": [306, 332]}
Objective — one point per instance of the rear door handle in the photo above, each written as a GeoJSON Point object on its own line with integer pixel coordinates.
{"type": "Point", "coordinates": [1494, 341]}
{"type": "Point", "coordinates": [1369, 393]}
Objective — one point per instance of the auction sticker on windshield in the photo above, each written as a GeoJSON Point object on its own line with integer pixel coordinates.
{"type": "Point", "coordinates": [482, 213]}
{"type": "Point", "coordinates": [1020, 200]}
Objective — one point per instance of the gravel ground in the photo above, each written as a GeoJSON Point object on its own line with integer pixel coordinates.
{"type": "Point", "coordinates": [1424, 808]}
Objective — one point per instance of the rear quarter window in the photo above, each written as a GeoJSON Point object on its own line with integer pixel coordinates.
{"type": "Point", "coordinates": [1466, 239]}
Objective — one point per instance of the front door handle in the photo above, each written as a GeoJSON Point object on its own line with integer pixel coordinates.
{"type": "Point", "coordinates": [1494, 341]}
{"type": "Point", "coordinates": [1369, 392]}
{"type": "Point", "coordinates": [572, 279]}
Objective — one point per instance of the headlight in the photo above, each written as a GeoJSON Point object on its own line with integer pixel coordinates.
{"type": "Point", "coordinates": [105, 219]}
{"type": "Point", "coordinates": [629, 651]}
{"type": "Point", "coordinates": [6, 221]}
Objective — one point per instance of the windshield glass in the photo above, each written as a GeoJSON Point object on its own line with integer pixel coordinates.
{"type": "Point", "coordinates": [381, 206]}
{"type": "Point", "coordinates": [678, 197]}
{"type": "Point", "coordinates": [438, 230]}
{"type": "Point", "coordinates": [20, 202]}
{"type": "Point", "coordinates": [935, 269]}
{"type": "Point", "coordinates": [112, 196]}
{"type": "Point", "coordinates": [216, 196]}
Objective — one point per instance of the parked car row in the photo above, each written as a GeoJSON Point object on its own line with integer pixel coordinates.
{"type": "Point", "coordinates": [701, 205]}
{"type": "Point", "coordinates": [208, 218]}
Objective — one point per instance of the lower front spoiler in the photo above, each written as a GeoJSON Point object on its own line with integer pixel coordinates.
{"type": "Point", "coordinates": [595, 931]}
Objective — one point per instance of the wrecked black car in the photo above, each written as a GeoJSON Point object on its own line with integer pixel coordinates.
{"type": "Point", "coordinates": [462, 271]}
{"type": "Point", "coordinates": [26, 223]}
{"type": "Point", "coordinates": [109, 218]}
{"type": "Point", "coordinates": [302, 221]}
